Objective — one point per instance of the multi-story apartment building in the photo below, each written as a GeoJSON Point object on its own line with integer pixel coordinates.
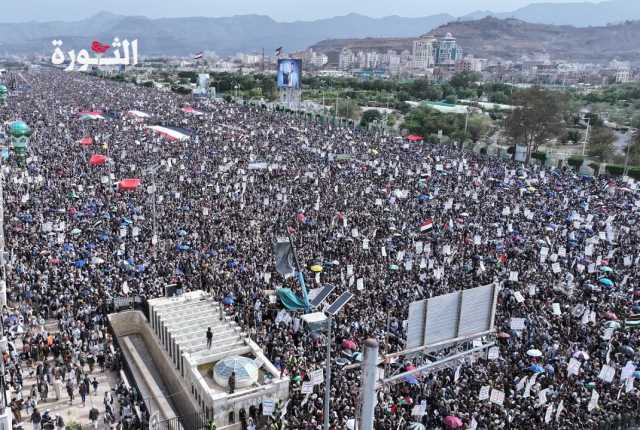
{"type": "Point", "coordinates": [425, 52]}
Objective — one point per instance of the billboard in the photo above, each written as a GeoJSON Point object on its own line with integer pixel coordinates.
{"type": "Point", "coordinates": [289, 73]}
{"type": "Point", "coordinates": [463, 314]}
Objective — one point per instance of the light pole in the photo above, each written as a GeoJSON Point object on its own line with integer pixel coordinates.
{"type": "Point", "coordinates": [236, 87]}
{"type": "Point", "coordinates": [331, 312]}
{"type": "Point", "coordinates": [154, 189]}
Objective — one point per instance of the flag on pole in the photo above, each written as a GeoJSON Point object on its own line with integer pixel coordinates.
{"type": "Point", "coordinates": [198, 56]}
{"type": "Point", "coordinates": [279, 51]}
{"type": "Point", "coordinates": [426, 225]}
{"type": "Point", "coordinates": [283, 251]}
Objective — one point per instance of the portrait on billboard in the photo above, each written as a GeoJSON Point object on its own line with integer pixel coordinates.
{"type": "Point", "coordinates": [289, 73]}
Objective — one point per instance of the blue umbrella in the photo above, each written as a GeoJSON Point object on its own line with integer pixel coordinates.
{"type": "Point", "coordinates": [229, 300]}
{"type": "Point", "coordinates": [606, 281]}
{"type": "Point", "coordinates": [606, 269]}
{"type": "Point", "coordinates": [183, 247]}
{"type": "Point", "coordinates": [410, 379]}
{"type": "Point", "coordinates": [232, 264]}
{"type": "Point", "coordinates": [424, 198]}
{"type": "Point", "coordinates": [80, 263]}
{"type": "Point", "coordinates": [536, 368]}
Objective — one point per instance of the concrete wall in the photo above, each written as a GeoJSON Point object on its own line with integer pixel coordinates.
{"type": "Point", "coordinates": [134, 322]}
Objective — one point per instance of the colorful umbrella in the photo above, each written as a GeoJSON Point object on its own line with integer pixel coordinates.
{"type": "Point", "coordinates": [97, 160]}
{"type": "Point", "coordinates": [536, 368]}
{"type": "Point", "coordinates": [606, 282]}
{"type": "Point", "coordinates": [86, 141]}
{"type": "Point", "coordinates": [414, 138]}
{"type": "Point", "coordinates": [534, 353]}
{"type": "Point", "coordinates": [316, 268]}
{"type": "Point", "coordinates": [129, 184]}
{"type": "Point", "coordinates": [606, 269]}
{"type": "Point", "coordinates": [349, 344]}
{"type": "Point", "coordinates": [452, 422]}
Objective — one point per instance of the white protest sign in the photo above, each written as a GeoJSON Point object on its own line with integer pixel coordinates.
{"type": "Point", "coordinates": [497, 397]}
{"type": "Point", "coordinates": [316, 376]}
{"type": "Point", "coordinates": [494, 353]}
{"type": "Point", "coordinates": [268, 407]}
{"type": "Point", "coordinates": [517, 324]}
{"type": "Point", "coordinates": [574, 367]}
{"type": "Point", "coordinates": [484, 392]}
{"type": "Point", "coordinates": [607, 373]}
{"type": "Point", "coordinates": [556, 309]}
{"type": "Point", "coordinates": [307, 388]}
{"type": "Point", "coordinates": [518, 296]}
{"type": "Point", "coordinates": [593, 402]}
{"type": "Point", "coordinates": [627, 371]}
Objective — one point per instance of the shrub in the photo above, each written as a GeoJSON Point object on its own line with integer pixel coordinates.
{"type": "Point", "coordinates": [614, 169]}
{"type": "Point", "coordinates": [575, 162]}
{"type": "Point", "coordinates": [542, 156]}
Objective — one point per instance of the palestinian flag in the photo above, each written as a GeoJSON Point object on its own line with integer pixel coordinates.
{"type": "Point", "coordinates": [90, 115]}
{"type": "Point", "coordinates": [171, 133]}
{"type": "Point", "coordinates": [426, 225]}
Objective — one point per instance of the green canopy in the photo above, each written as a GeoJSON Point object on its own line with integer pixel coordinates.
{"type": "Point", "coordinates": [289, 300]}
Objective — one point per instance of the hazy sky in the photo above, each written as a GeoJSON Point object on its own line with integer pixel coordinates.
{"type": "Point", "coordinates": [281, 10]}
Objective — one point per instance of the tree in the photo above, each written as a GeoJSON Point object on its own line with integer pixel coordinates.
{"type": "Point", "coordinates": [268, 86]}
{"type": "Point", "coordinates": [537, 118]}
{"type": "Point", "coordinates": [478, 126]}
{"type": "Point", "coordinates": [370, 116]}
{"type": "Point", "coordinates": [601, 143]}
{"type": "Point", "coordinates": [464, 79]}
{"type": "Point", "coordinates": [347, 109]}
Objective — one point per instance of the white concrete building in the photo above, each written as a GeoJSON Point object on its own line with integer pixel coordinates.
{"type": "Point", "coordinates": [424, 52]}
{"type": "Point", "coordinates": [180, 324]}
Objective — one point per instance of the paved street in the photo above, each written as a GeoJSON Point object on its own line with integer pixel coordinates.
{"type": "Point", "coordinates": [70, 412]}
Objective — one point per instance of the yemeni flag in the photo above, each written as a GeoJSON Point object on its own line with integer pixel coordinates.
{"type": "Point", "coordinates": [90, 115]}
{"type": "Point", "coordinates": [633, 321]}
{"type": "Point", "coordinates": [279, 51]}
{"type": "Point", "coordinates": [426, 225]}
{"type": "Point", "coordinates": [170, 133]}
{"type": "Point", "coordinates": [198, 56]}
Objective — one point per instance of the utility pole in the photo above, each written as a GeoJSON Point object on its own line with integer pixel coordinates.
{"type": "Point", "coordinates": [625, 172]}
{"type": "Point", "coordinates": [3, 262]}
{"type": "Point", "coordinates": [369, 377]}
{"type": "Point", "coordinates": [327, 376]}
{"type": "Point", "coordinates": [586, 136]}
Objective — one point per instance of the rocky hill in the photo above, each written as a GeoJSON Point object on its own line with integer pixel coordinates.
{"type": "Point", "coordinates": [510, 39]}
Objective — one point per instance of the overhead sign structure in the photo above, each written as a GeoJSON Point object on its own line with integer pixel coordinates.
{"type": "Point", "coordinates": [126, 58]}
{"type": "Point", "coordinates": [463, 314]}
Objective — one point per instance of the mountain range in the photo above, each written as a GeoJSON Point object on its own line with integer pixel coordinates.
{"type": "Point", "coordinates": [251, 33]}
{"type": "Point", "coordinates": [510, 39]}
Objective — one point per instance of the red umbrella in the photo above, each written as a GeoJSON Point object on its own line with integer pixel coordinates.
{"type": "Point", "coordinates": [86, 141]}
{"type": "Point", "coordinates": [452, 422]}
{"type": "Point", "coordinates": [414, 138]}
{"type": "Point", "coordinates": [349, 344]}
{"type": "Point", "coordinates": [97, 160]}
{"type": "Point", "coordinates": [129, 184]}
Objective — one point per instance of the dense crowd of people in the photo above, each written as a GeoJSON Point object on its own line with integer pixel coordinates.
{"type": "Point", "coordinates": [563, 248]}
